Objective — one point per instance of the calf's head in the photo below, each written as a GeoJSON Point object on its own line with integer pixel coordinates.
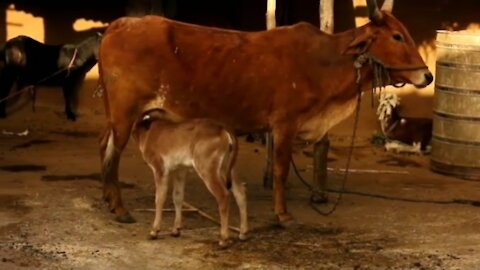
{"type": "Point", "coordinates": [387, 42]}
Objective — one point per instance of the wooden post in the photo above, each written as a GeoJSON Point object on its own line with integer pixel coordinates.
{"type": "Point", "coordinates": [320, 149]}
{"type": "Point", "coordinates": [320, 175]}
{"type": "Point", "coordinates": [326, 16]}
{"type": "Point", "coordinates": [3, 23]}
{"type": "Point", "coordinates": [268, 174]}
{"type": "Point", "coordinates": [270, 16]}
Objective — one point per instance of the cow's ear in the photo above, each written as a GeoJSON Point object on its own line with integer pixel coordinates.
{"type": "Point", "coordinates": [15, 56]}
{"type": "Point", "coordinates": [360, 44]}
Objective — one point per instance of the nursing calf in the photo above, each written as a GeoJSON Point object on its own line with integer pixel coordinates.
{"type": "Point", "coordinates": [199, 143]}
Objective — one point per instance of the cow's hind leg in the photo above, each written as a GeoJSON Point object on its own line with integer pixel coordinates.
{"type": "Point", "coordinates": [111, 146]}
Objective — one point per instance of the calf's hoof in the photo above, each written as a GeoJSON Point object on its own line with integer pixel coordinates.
{"type": "Point", "coordinates": [175, 233]}
{"type": "Point", "coordinates": [242, 236]}
{"type": "Point", "coordinates": [224, 243]}
{"type": "Point", "coordinates": [153, 235]}
{"type": "Point", "coordinates": [126, 218]}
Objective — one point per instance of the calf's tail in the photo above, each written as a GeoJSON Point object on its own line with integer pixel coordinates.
{"type": "Point", "coordinates": [229, 158]}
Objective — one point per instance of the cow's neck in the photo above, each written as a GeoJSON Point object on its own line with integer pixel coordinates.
{"type": "Point", "coordinates": [339, 93]}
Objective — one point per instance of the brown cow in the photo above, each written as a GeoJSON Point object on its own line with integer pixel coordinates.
{"type": "Point", "coordinates": [292, 81]}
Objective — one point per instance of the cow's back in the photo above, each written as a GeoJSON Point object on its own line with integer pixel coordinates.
{"type": "Point", "coordinates": [193, 71]}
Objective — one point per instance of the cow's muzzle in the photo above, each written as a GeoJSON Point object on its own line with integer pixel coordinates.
{"type": "Point", "coordinates": [422, 78]}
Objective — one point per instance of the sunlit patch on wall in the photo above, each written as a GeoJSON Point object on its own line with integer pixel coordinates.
{"type": "Point", "coordinates": [473, 27]}
{"type": "Point", "coordinates": [22, 23]}
{"type": "Point", "coordinates": [84, 25]}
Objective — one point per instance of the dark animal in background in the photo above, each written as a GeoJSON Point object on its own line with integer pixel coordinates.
{"type": "Point", "coordinates": [407, 130]}
{"type": "Point", "coordinates": [27, 62]}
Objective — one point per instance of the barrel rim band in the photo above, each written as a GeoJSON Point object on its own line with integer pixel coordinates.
{"type": "Point", "coordinates": [464, 172]}
{"type": "Point", "coordinates": [457, 90]}
{"type": "Point", "coordinates": [453, 141]}
{"type": "Point", "coordinates": [457, 66]}
{"type": "Point", "coordinates": [456, 117]}
{"type": "Point", "coordinates": [469, 47]}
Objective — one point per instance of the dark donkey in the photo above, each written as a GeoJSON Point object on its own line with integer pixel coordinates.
{"type": "Point", "coordinates": [29, 63]}
{"type": "Point", "coordinates": [295, 81]}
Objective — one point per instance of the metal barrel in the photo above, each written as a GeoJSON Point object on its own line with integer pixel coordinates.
{"type": "Point", "coordinates": [456, 109]}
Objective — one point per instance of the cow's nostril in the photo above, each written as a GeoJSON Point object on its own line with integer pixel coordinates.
{"type": "Point", "coordinates": [429, 77]}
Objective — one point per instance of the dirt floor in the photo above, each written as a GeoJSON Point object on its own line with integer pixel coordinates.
{"type": "Point", "coordinates": [52, 215]}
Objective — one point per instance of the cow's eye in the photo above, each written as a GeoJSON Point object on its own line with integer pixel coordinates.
{"type": "Point", "coordinates": [398, 37]}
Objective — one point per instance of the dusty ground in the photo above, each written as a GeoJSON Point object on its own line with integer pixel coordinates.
{"type": "Point", "coordinates": [52, 215]}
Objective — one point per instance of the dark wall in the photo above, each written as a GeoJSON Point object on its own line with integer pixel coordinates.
{"type": "Point", "coordinates": [422, 18]}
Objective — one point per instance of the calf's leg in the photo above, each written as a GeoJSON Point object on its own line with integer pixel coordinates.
{"type": "Point", "coordinates": [238, 190]}
{"type": "Point", "coordinates": [217, 187]}
{"type": "Point", "coordinates": [161, 185]}
{"type": "Point", "coordinates": [178, 195]}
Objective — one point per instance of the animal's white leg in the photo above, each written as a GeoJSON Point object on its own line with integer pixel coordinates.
{"type": "Point", "coordinates": [178, 195]}
{"type": "Point", "coordinates": [238, 190]}
{"type": "Point", "coordinates": [161, 183]}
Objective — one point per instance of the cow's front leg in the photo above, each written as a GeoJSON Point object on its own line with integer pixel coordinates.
{"type": "Point", "coordinates": [282, 151]}
{"type": "Point", "coordinates": [70, 91]}
{"type": "Point", "coordinates": [6, 83]}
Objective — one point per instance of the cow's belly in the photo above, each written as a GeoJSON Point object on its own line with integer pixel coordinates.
{"type": "Point", "coordinates": [316, 126]}
{"type": "Point", "coordinates": [241, 115]}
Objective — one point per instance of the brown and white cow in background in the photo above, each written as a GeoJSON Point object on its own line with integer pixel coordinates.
{"type": "Point", "coordinates": [199, 143]}
{"type": "Point", "coordinates": [295, 81]}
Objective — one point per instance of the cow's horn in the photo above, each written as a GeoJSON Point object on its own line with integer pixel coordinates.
{"type": "Point", "coordinates": [373, 12]}
{"type": "Point", "coordinates": [388, 5]}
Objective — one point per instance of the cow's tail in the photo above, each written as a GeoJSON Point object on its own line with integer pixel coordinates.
{"type": "Point", "coordinates": [108, 154]}
{"type": "Point", "coordinates": [229, 158]}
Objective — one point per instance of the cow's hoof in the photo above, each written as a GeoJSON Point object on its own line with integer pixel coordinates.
{"type": "Point", "coordinates": [71, 117]}
{"type": "Point", "coordinates": [286, 221]}
{"type": "Point", "coordinates": [127, 219]}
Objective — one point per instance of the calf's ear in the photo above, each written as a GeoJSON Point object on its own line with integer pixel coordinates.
{"type": "Point", "coordinates": [15, 56]}
{"type": "Point", "coordinates": [360, 44]}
